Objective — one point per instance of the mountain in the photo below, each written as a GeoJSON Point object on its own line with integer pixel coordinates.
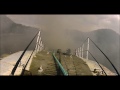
{"type": "Point", "coordinates": [106, 39]}
{"type": "Point", "coordinates": [14, 37]}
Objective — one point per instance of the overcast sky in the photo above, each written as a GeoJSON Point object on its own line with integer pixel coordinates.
{"type": "Point", "coordinates": [77, 22]}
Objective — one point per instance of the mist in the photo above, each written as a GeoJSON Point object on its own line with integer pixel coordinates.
{"type": "Point", "coordinates": [68, 31]}
{"type": "Point", "coordinates": [83, 22]}
{"type": "Point", "coordinates": [55, 26]}
{"type": "Point", "coordinates": [14, 37]}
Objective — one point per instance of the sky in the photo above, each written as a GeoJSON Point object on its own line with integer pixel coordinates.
{"type": "Point", "coordinates": [80, 22]}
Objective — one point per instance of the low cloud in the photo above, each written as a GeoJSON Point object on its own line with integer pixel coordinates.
{"type": "Point", "coordinates": [75, 22]}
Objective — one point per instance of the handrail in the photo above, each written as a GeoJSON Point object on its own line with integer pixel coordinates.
{"type": "Point", "coordinates": [106, 57]}
{"type": "Point", "coordinates": [17, 63]}
{"type": "Point", "coordinates": [61, 67]}
{"type": "Point", "coordinates": [27, 62]}
{"type": "Point", "coordinates": [97, 63]}
{"type": "Point", "coordinates": [103, 54]}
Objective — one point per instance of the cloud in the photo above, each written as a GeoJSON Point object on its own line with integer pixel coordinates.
{"type": "Point", "coordinates": [76, 22]}
{"type": "Point", "coordinates": [108, 21]}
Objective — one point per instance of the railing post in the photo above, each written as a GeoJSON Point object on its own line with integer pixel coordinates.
{"type": "Point", "coordinates": [37, 43]}
{"type": "Point", "coordinates": [78, 52]}
{"type": "Point", "coordinates": [87, 49]}
{"type": "Point", "coordinates": [82, 50]}
{"type": "Point", "coordinates": [38, 49]}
